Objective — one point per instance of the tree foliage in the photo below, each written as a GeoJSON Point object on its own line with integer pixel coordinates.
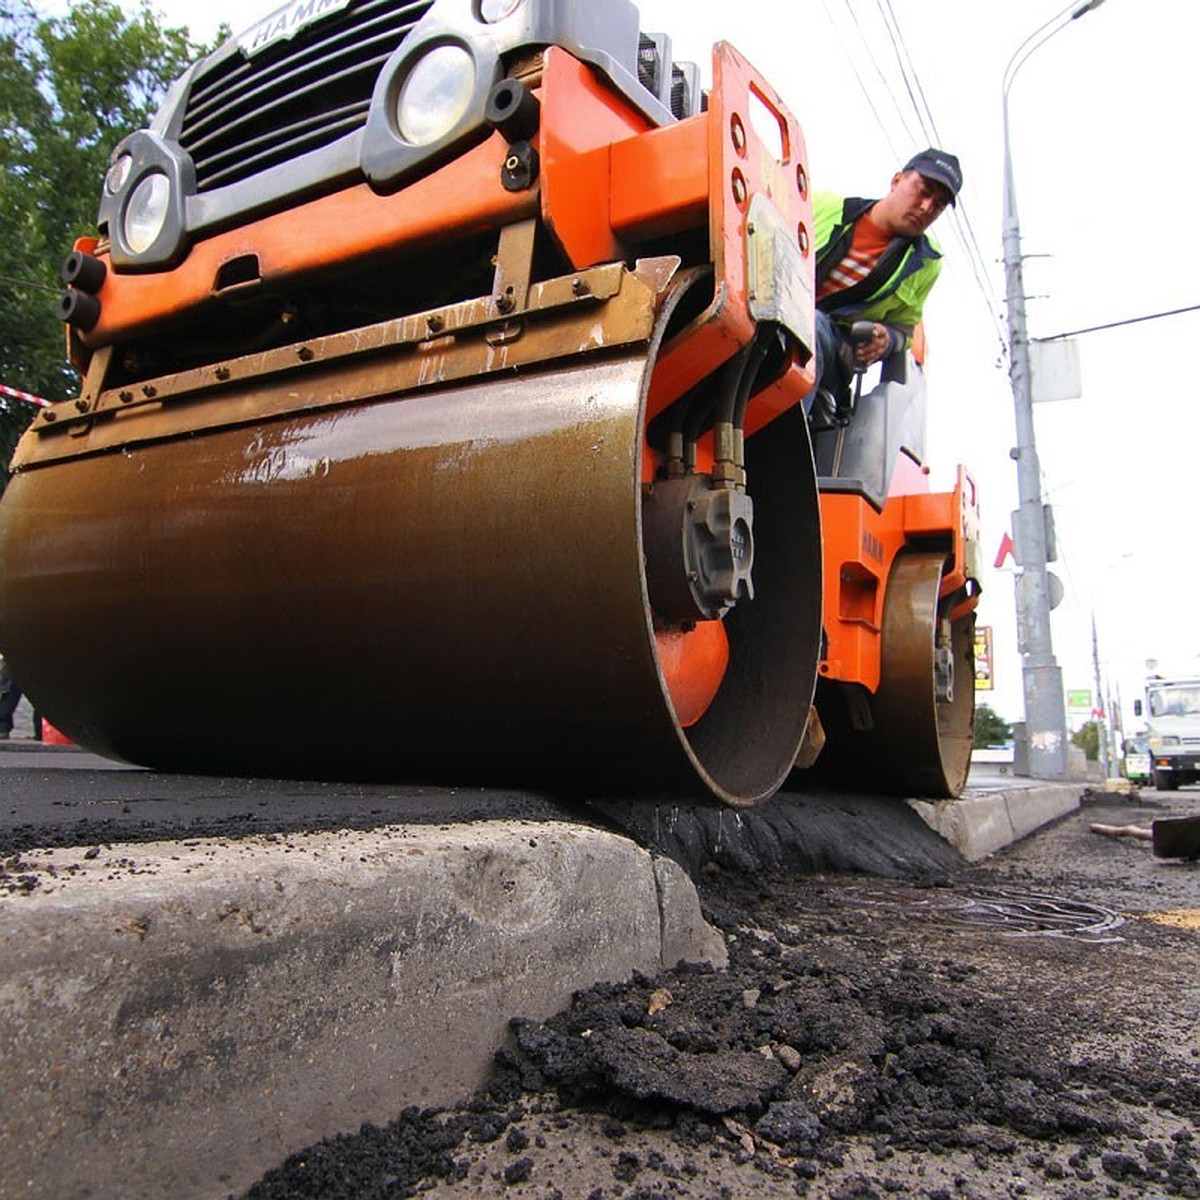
{"type": "Point", "coordinates": [1087, 738]}
{"type": "Point", "coordinates": [70, 88]}
{"type": "Point", "coordinates": [990, 728]}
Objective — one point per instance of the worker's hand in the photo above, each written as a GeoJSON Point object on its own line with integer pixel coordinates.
{"type": "Point", "coordinates": [872, 351]}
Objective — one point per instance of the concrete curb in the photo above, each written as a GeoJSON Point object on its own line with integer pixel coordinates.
{"type": "Point", "coordinates": [166, 1037]}
{"type": "Point", "coordinates": [981, 825]}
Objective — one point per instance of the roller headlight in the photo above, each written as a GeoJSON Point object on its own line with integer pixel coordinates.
{"type": "Point", "coordinates": [435, 94]}
{"type": "Point", "coordinates": [114, 181]}
{"type": "Point", "coordinates": [146, 212]}
{"type": "Point", "coordinates": [496, 10]}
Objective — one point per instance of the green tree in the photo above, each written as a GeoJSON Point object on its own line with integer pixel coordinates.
{"type": "Point", "coordinates": [1087, 738]}
{"type": "Point", "coordinates": [70, 88]}
{"type": "Point", "coordinates": [990, 728]}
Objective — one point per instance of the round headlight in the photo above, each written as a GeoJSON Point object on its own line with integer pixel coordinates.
{"type": "Point", "coordinates": [114, 181]}
{"type": "Point", "coordinates": [496, 10]}
{"type": "Point", "coordinates": [146, 212]}
{"type": "Point", "coordinates": [435, 95]}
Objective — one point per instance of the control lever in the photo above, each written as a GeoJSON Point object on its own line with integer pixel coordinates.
{"type": "Point", "coordinates": [861, 332]}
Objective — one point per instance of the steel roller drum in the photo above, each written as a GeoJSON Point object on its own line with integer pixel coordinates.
{"type": "Point", "coordinates": [923, 735]}
{"type": "Point", "coordinates": [920, 738]}
{"type": "Point", "coordinates": [441, 584]}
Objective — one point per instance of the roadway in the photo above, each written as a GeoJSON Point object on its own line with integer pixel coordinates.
{"type": "Point", "coordinates": [183, 950]}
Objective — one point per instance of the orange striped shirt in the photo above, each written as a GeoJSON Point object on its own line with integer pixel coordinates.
{"type": "Point", "coordinates": [867, 246]}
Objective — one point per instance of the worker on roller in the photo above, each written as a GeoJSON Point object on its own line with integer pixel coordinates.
{"type": "Point", "coordinates": [876, 263]}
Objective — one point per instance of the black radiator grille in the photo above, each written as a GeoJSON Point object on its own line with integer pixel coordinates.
{"type": "Point", "coordinates": [246, 115]}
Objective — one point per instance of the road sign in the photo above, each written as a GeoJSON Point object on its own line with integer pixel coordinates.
{"type": "Point", "coordinates": [983, 658]}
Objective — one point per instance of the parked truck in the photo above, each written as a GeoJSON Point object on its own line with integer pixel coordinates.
{"type": "Point", "coordinates": [1172, 715]}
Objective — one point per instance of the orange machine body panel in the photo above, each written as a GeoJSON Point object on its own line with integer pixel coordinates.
{"type": "Point", "coordinates": [742, 165]}
{"type": "Point", "coordinates": [463, 197]}
{"type": "Point", "coordinates": [667, 181]}
{"type": "Point", "coordinates": [860, 547]}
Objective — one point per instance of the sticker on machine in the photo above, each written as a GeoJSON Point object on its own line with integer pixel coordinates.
{"type": "Point", "coordinates": [778, 281]}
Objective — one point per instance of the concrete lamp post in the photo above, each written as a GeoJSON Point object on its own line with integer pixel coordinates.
{"type": "Point", "coordinates": [1045, 708]}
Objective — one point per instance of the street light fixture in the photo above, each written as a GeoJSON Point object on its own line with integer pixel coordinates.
{"type": "Point", "coordinates": [1045, 708]}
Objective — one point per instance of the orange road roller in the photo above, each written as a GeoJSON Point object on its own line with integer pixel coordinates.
{"type": "Point", "coordinates": [442, 419]}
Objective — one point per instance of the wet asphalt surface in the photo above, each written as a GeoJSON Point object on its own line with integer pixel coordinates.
{"type": "Point", "coordinates": [65, 796]}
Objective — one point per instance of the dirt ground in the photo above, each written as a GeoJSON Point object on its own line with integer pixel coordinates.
{"type": "Point", "coordinates": [1026, 1027]}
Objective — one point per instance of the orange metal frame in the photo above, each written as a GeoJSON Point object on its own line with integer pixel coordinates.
{"type": "Point", "coordinates": [739, 165]}
{"type": "Point", "coordinates": [703, 170]}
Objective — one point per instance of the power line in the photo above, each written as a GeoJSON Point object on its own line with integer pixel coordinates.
{"type": "Point", "coordinates": [960, 217]}
{"type": "Point", "coordinates": [887, 87]}
{"type": "Point", "coordinates": [862, 83]}
{"type": "Point", "coordinates": [908, 74]}
{"type": "Point", "coordinates": [961, 221]}
{"type": "Point", "coordinates": [1171, 312]}
{"type": "Point", "coordinates": [30, 283]}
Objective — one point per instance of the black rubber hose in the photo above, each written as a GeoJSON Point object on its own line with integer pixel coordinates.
{"type": "Point", "coordinates": [756, 355]}
{"type": "Point", "coordinates": [83, 271]}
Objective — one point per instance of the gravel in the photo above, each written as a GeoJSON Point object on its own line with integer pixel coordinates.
{"type": "Point", "coordinates": [1023, 1028]}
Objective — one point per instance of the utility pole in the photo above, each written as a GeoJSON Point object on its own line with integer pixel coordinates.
{"type": "Point", "coordinates": [1101, 705]}
{"type": "Point", "coordinates": [1041, 676]}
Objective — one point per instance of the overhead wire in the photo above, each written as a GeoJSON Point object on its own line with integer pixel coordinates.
{"type": "Point", "coordinates": [1155, 316]}
{"type": "Point", "coordinates": [908, 74]}
{"type": "Point", "coordinates": [917, 100]}
{"type": "Point", "coordinates": [862, 83]}
{"type": "Point", "coordinates": [887, 87]}
{"type": "Point", "coordinates": [960, 216]}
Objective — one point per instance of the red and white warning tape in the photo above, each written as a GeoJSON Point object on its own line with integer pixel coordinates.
{"type": "Point", "coordinates": [19, 395]}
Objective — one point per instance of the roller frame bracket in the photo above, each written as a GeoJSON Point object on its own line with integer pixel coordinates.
{"type": "Point", "coordinates": [466, 340]}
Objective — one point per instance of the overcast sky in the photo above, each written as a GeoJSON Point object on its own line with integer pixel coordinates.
{"type": "Point", "coordinates": [1103, 156]}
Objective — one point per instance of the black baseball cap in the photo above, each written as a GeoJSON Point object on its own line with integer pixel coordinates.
{"type": "Point", "coordinates": [939, 166]}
